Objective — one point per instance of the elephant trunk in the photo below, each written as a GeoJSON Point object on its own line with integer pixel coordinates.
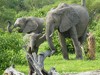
{"type": "Point", "coordinates": [9, 29]}
{"type": "Point", "coordinates": [32, 44]}
{"type": "Point", "coordinates": [49, 33]}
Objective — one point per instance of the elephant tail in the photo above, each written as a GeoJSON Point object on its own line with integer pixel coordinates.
{"type": "Point", "coordinates": [83, 3]}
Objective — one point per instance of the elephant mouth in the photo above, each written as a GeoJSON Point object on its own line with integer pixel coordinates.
{"type": "Point", "coordinates": [20, 30]}
{"type": "Point", "coordinates": [29, 32]}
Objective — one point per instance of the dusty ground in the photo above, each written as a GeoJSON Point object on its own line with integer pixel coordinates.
{"type": "Point", "coordinates": [96, 72]}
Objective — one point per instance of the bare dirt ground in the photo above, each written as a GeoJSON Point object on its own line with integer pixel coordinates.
{"type": "Point", "coordinates": [96, 72]}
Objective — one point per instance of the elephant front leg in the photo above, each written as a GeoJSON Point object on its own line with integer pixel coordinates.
{"type": "Point", "coordinates": [63, 46]}
{"type": "Point", "coordinates": [74, 36]}
{"type": "Point", "coordinates": [41, 40]}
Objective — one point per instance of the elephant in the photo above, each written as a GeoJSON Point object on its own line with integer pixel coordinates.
{"type": "Point", "coordinates": [71, 21]}
{"type": "Point", "coordinates": [33, 41]}
{"type": "Point", "coordinates": [33, 28]}
{"type": "Point", "coordinates": [28, 25]}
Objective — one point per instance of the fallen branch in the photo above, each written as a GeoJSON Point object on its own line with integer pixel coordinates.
{"type": "Point", "coordinates": [37, 62]}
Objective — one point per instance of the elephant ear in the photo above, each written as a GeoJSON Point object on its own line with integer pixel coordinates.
{"type": "Point", "coordinates": [30, 26]}
{"type": "Point", "coordinates": [69, 18]}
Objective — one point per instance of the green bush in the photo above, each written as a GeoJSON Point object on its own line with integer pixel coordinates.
{"type": "Point", "coordinates": [11, 44]}
{"type": "Point", "coordinates": [11, 41]}
{"type": "Point", "coordinates": [96, 32]}
{"type": "Point", "coordinates": [11, 50]}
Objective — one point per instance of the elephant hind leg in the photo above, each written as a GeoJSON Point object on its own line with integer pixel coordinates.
{"type": "Point", "coordinates": [83, 38]}
{"type": "Point", "coordinates": [63, 46]}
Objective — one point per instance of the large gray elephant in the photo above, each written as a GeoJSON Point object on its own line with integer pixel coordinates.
{"type": "Point", "coordinates": [71, 21]}
{"type": "Point", "coordinates": [34, 30]}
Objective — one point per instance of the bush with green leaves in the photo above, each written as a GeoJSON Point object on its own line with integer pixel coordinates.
{"type": "Point", "coordinates": [11, 50]}
{"type": "Point", "coordinates": [96, 32]}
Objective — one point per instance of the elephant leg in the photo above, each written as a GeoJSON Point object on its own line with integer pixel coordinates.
{"type": "Point", "coordinates": [78, 51]}
{"type": "Point", "coordinates": [81, 40]}
{"type": "Point", "coordinates": [63, 46]}
{"type": "Point", "coordinates": [83, 37]}
{"type": "Point", "coordinates": [41, 40]}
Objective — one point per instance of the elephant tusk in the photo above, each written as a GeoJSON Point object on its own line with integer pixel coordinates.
{"type": "Point", "coordinates": [51, 35]}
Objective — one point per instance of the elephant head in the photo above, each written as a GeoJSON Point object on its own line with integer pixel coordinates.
{"type": "Point", "coordinates": [26, 25]}
{"type": "Point", "coordinates": [33, 40]}
{"type": "Point", "coordinates": [61, 18]}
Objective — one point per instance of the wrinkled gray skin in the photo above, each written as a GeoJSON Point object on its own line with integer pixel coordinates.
{"type": "Point", "coordinates": [33, 41]}
{"type": "Point", "coordinates": [71, 22]}
{"type": "Point", "coordinates": [29, 25]}
{"type": "Point", "coordinates": [33, 27]}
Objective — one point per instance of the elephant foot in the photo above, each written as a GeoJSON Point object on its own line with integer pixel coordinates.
{"type": "Point", "coordinates": [66, 58]}
{"type": "Point", "coordinates": [65, 55]}
{"type": "Point", "coordinates": [79, 58]}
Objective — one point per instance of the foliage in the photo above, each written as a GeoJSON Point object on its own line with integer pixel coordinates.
{"type": "Point", "coordinates": [67, 66]}
{"type": "Point", "coordinates": [41, 12]}
{"type": "Point", "coordinates": [97, 35]}
{"type": "Point", "coordinates": [11, 44]}
{"type": "Point", "coordinates": [93, 5]}
{"type": "Point", "coordinates": [10, 49]}
{"type": "Point", "coordinates": [10, 41]}
{"type": "Point", "coordinates": [37, 3]}
{"type": "Point", "coordinates": [4, 18]}
{"type": "Point", "coordinates": [8, 10]}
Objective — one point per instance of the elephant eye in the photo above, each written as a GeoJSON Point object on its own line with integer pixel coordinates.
{"type": "Point", "coordinates": [54, 22]}
{"type": "Point", "coordinates": [18, 25]}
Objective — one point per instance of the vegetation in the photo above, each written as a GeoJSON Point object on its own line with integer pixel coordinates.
{"type": "Point", "coordinates": [66, 66]}
{"type": "Point", "coordinates": [11, 51]}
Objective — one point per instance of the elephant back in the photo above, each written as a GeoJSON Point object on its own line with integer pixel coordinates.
{"type": "Point", "coordinates": [40, 22]}
{"type": "Point", "coordinates": [84, 19]}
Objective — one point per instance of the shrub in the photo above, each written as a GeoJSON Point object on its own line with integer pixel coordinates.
{"type": "Point", "coordinates": [10, 50]}
{"type": "Point", "coordinates": [96, 32]}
